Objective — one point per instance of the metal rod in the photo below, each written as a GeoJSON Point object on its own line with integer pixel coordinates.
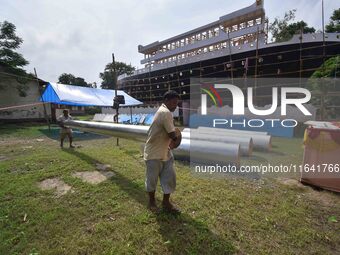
{"type": "Point", "coordinates": [115, 85]}
{"type": "Point", "coordinates": [45, 112]}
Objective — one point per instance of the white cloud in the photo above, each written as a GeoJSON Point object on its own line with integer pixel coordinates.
{"type": "Point", "coordinates": [79, 36]}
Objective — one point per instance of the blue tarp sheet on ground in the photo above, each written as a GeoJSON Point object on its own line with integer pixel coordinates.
{"type": "Point", "coordinates": [83, 96]}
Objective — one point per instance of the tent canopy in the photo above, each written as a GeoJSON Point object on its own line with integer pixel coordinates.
{"type": "Point", "coordinates": [82, 96]}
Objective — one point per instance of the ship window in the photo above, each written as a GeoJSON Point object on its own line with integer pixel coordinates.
{"type": "Point", "coordinates": [250, 23]}
{"type": "Point", "coordinates": [216, 31]}
{"type": "Point", "coordinates": [234, 28]}
{"type": "Point", "coordinates": [260, 60]}
{"type": "Point", "coordinates": [258, 21]}
{"type": "Point", "coordinates": [184, 92]}
{"type": "Point", "coordinates": [279, 57]}
{"type": "Point", "coordinates": [242, 25]}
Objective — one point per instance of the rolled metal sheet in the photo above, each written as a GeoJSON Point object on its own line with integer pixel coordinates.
{"type": "Point", "coordinates": [198, 150]}
{"type": "Point", "coordinates": [260, 141]}
{"type": "Point", "coordinates": [206, 152]}
{"type": "Point", "coordinates": [233, 131]}
{"type": "Point", "coordinates": [133, 132]}
{"type": "Point", "coordinates": [246, 143]}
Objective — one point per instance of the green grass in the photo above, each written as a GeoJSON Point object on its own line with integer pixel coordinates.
{"type": "Point", "coordinates": [219, 216]}
{"type": "Point", "coordinates": [84, 117]}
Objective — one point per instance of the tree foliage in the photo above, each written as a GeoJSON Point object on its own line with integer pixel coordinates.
{"type": "Point", "coordinates": [108, 78]}
{"type": "Point", "coordinates": [334, 24]}
{"type": "Point", "coordinates": [9, 42]}
{"type": "Point", "coordinates": [282, 30]}
{"type": "Point", "coordinates": [11, 61]}
{"type": "Point", "coordinates": [323, 83]}
{"type": "Point", "coordinates": [70, 79]}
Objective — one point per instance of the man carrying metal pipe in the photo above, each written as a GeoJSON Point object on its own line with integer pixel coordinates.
{"type": "Point", "coordinates": [65, 130]}
{"type": "Point", "coordinates": [162, 137]}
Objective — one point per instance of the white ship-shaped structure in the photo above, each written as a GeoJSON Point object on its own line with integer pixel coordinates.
{"type": "Point", "coordinates": [235, 46]}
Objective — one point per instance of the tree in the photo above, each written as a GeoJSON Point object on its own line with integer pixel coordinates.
{"type": "Point", "coordinates": [282, 31]}
{"type": "Point", "coordinates": [334, 24]}
{"type": "Point", "coordinates": [70, 79]}
{"type": "Point", "coordinates": [11, 61]}
{"type": "Point", "coordinates": [323, 84]}
{"type": "Point", "coordinates": [9, 42]}
{"type": "Point", "coordinates": [108, 77]}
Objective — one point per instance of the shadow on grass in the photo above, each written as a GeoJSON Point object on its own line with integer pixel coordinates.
{"type": "Point", "coordinates": [24, 129]}
{"type": "Point", "coordinates": [77, 135]}
{"type": "Point", "coordinates": [181, 233]}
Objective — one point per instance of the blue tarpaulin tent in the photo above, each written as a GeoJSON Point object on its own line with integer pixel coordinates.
{"type": "Point", "coordinates": [82, 96]}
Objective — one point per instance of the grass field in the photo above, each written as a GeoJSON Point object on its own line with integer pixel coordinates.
{"type": "Point", "coordinates": [219, 216]}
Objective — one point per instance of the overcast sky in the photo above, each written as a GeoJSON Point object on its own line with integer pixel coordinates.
{"type": "Point", "coordinates": [78, 36]}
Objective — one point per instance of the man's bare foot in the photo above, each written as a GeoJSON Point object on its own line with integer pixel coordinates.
{"type": "Point", "coordinates": [153, 207]}
{"type": "Point", "coordinates": [171, 208]}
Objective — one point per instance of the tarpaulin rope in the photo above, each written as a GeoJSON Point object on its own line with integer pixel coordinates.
{"type": "Point", "coordinates": [20, 106]}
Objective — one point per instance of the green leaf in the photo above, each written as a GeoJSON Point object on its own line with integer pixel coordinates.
{"type": "Point", "coordinates": [332, 219]}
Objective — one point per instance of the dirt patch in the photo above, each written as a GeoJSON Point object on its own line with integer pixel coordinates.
{"type": "Point", "coordinates": [60, 187]}
{"type": "Point", "coordinates": [3, 158]}
{"type": "Point", "coordinates": [291, 182]}
{"type": "Point", "coordinates": [322, 197]}
{"type": "Point", "coordinates": [27, 147]}
{"type": "Point", "coordinates": [94, 177]}
{"type": "Point", "coordinates": [103, 167]}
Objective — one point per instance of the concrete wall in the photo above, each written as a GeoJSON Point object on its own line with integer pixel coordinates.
{"type": "Point", "coordinates": [9, 96]}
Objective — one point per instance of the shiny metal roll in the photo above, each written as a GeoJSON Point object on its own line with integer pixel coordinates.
{"type": "Point", "coordinates": [260, 141]}
{"type": "Point", "coordinates": [207, 152]}
{"type": "Point", "coordinates": [246, 143]}
{"type": "Point", "coordinates": [234, 131]}
{"type": "Point", "coordinates": [133, 132]}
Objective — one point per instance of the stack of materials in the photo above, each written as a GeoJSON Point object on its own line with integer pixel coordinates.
{"type": "Point", "coordinates": [248, 140]}
{"type": "Point", "coordinates": [204, 145]}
